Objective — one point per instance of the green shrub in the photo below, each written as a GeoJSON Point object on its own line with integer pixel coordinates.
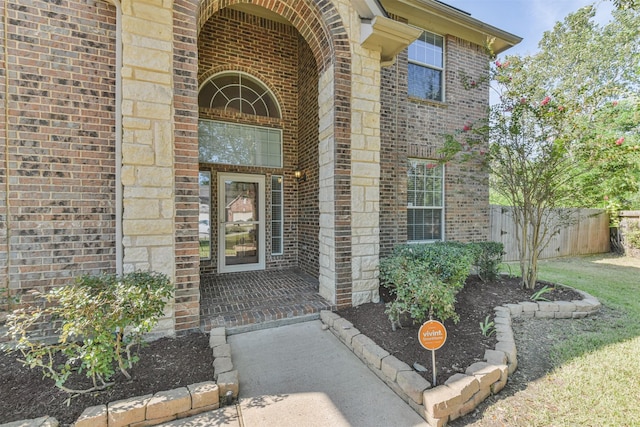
{"type": "Point", "coordinates": [425, 279]}
{"type": "Point", "coordinates": [487, 259]}
{"type": "Point", "coordinates": [101, 318]}
{"type": "Point", "coordinates": [418, 292]}
{"type": "Point", "coordinates": [450, 262]}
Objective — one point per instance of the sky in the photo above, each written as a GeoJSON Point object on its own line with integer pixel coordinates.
{"type": "Point", "coordinates": [528, 19]}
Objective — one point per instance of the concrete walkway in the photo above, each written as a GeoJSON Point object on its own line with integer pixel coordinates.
{"type": "Point", "coordinates": [299, 375]}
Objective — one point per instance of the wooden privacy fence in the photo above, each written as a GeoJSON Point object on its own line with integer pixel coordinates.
{"type": "Point", "coordinates": [588, 233]}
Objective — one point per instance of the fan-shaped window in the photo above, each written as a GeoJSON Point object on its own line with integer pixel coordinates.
{"type": "Point", "coordinates": [238, 92]}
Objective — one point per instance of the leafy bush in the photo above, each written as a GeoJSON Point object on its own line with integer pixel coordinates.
{"type": "Point", "coordinates": [425, 280]}
{"type": "Point", "coordinates": [418, 292]}
{"type": "Point", "coordinates": [101, 318]}
{"type": "Point", "coordinates": [487, 259]}
{"type": "Point", "coordinates": [450, 262]}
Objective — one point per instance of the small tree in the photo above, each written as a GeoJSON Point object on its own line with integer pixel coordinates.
{"type": "Point", "coordinates": [529, 159]}
{"type": "Point", "coordinates": [558, 127]}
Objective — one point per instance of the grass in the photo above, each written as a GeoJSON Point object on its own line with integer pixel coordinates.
{"type": "Point", "coordinates": [596, 381]}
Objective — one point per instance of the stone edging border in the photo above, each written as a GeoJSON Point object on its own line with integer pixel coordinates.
{"type": "Point", "coordinates": [163, 406]}
{"type": "Point", "coordinates": [461, 393]}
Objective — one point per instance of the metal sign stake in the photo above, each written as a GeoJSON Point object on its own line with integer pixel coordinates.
{"type": "Point", "coordinates": [433, 359]}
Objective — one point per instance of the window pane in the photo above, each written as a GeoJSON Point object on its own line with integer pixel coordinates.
{"type": "Point", "coordinates": [241, 202]}
{"type": "Point", "coordinates": [206, 95]}
{"type": "Point", "coordinates": [241, 244]}
{"type": "Point", "coordinates": [424, 224]}
{"type": "Point", "coordinates": [239, 93]}
{"type": "Point", "coordinates": [428, 50]}
{"type": "Point", "coordinates": [426, 60]}
{"type": "Point", "coordinates": [234, 144]}
{"type": "Point", "coordinates": [424, 200]}
{"type": "Point", "coordinates": [277, 215]}
{"type": "Point", "coordinates": [204, 223]}
{"type": "Point", "coordinates": [424, 82]}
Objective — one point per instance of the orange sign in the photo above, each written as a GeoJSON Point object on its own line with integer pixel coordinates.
{"type": "Point", "coordinates": [432, 335]}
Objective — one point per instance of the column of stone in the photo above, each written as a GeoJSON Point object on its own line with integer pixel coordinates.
{"type": "Point", "coordinates": [148, 141]}
{"type": "Point", "coordinates": [365, 162]}
{"type": "Point", "coordinates": [365, 174]}
{"type": "Point", "coordinates": [326, 153]}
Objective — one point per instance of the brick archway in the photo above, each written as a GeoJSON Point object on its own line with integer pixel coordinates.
{"type": "Point", "coordinates": [306, 16]}
{"type": "Point", "coordinates": [320, 24]}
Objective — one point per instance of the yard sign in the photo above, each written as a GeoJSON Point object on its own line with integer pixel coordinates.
{"type": "Point", "coordinates": [432, 335]}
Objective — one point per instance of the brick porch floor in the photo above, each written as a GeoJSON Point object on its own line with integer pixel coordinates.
{"type": "Point", "coordinates": [252, 298]}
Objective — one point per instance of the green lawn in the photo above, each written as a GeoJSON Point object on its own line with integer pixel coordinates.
{"type": "Point", "coordinates": [596, 381]}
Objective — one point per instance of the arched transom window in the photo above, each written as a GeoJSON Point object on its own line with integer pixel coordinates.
{"type": "Point", "coordinates": [238, 92]}
{"type": "Point", "coordinates": [239, 143]}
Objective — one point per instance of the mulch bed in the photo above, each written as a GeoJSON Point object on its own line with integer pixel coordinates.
{"type": "Point", "coordinates": [170, 363]}
{"type": "Point", "coordinates": [465, 343]}
{"type": "Point", "coordinates": [164, 364]}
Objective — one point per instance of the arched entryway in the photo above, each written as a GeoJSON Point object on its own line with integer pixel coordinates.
{"type": "Point", "coordinates": [275, 185]}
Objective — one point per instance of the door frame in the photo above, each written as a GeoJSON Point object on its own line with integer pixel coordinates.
{"type": "Point", "coordinates": [221, 221]}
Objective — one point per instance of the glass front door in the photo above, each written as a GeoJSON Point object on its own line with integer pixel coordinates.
{"type": "Point", "coordinates": [241, 241]}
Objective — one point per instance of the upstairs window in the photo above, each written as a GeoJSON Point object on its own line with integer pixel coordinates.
{"type": "Point", "coordinates": [426, 66]}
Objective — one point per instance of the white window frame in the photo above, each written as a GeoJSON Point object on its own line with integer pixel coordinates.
{"type": "Point", "coordinates": [433, 67]}
{"type": "Point", "coordinates": [205, 214]}
{"type": "Point", "coordinates": [281, 210]}
{"type": "Point", "coordinates": [266, 91]}
{"type": "Point", "coordinates": [441, 208]}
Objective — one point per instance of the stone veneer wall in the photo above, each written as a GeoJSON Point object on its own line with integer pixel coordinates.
{"type": "Point", "coordinates": [57, 210]}
{"type": "Point", "coordinates": [415, 128]}
{"type": "Point", "coordinates": [148, 178]}
{"type": "Point", "coordinates": [365, 161]}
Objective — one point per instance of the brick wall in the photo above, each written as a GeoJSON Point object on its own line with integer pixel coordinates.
{"type": "Point", "coordinates": [309, 217]}
{"type": "Point", "coordinates": [415, 128]}
{"type": "Point", "coordinates": [4, 273]}
{"type": "Point", "coordinates": [321, 26]}
{"type": "Point", "coordinates": [267, 50]}
{"type": "Point", "coordinates": [60, 140]}
{"type": "Point", "coordinates": [185, 82]}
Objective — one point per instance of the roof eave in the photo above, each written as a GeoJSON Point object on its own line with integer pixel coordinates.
{"type": "Point", "coordinates": [443, 19]}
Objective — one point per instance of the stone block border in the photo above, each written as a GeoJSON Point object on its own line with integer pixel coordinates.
{"type": "Point", "coordinates": [163, 406]}
{"type": "Point", "coordinates": [461, 393]}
